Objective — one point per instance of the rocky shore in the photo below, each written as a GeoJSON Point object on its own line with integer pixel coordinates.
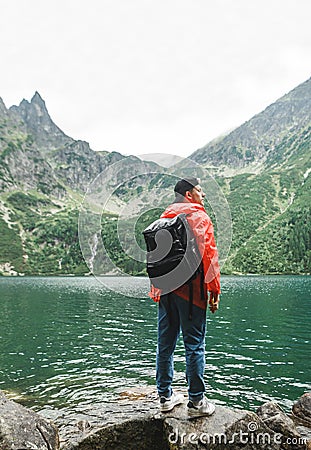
{"type": "Point", "coordinates": [134, 421]}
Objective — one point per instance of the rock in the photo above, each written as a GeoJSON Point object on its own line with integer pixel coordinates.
{"type": "Point", "coordinates": [135, 434]}
{"type": "Point", "coordinates": [302, 408]}
{"type": "Point", "coordinates": [39, 123]}
{"type": "Point", "coordinates": [134, 422]}
{"type": "Point", "coordinates": [21, 428]}
{"type": "Point", "coordinates": [276, 419]}
{"type": "Point", "coordinates": [226, 428]}
{"type": "Point", "coordinates": [301, 414]}
{"type": "Point", "coordinates": [129, 422]}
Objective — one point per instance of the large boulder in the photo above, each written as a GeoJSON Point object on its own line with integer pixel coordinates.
{"type": "Point", "coordinates": [226, 429]}
{"type": "Point", "coordinates": [301, 414]}
{"type": "Point", "coordinates": [21, 428]}
{"type": "Point", "coordinates": [275, 418]}
{"type": "Point", "coordinates": [302, 408]}
{"type": "Point", "coordinates": [134, 422]}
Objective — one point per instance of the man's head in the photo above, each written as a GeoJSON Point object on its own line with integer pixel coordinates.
{"type": "Point", "coordinates": [189, 189]}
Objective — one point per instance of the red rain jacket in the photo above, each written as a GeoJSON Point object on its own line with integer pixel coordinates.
{"type": "Point", "coordinates": [203, 230]}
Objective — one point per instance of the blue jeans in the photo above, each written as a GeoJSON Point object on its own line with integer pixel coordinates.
{"type": "Point", "coordinates": [173, 316]}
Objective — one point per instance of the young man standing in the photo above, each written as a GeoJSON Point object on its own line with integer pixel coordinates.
{"type": "Point", "coordinates": [173, 314]}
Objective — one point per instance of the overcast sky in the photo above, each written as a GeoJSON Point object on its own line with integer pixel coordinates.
{"type": "Point", "coordinates": [153, 76]}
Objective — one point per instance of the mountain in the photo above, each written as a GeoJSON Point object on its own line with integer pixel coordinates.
{"type": "Point", "coordinates": [44, 176]}
{"type": "Point", "coordinates": [73, 163]}
{"type": "Point", "coordinates": [254, 145]}
{"type": "Point", "coordinates": [35, 117]}
{"type": "Point", "coordinates": [264, 168]}
{"type": "Point", "coordinates": [49, 180]}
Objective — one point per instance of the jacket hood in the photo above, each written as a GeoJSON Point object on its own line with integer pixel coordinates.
{"type": "Point", "coordinates": [178, 208]}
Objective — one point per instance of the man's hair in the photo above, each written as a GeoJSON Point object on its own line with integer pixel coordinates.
{"type": "Point", "coordinates": [184, 185]}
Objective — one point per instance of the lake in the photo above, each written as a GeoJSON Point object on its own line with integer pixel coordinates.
{"type": "Point", "coordinates": [69, 342]}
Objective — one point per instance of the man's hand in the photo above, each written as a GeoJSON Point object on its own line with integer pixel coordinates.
{"type": "Point", "coordinates": [213, 301]}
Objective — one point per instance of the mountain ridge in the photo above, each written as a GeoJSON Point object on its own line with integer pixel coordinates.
{"type": "Point", "coordinates": [248, 146]}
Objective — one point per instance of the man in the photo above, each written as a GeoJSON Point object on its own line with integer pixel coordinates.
{"type": "Point", "coordinates": [173, 314]}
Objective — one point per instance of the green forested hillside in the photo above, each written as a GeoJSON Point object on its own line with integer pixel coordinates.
{"type": "Point", "coordinates": [42, 239]}
{"type": "Point", "coordinates": [271, 212]}
{"type": "Point", "coordinates": [282, 242]}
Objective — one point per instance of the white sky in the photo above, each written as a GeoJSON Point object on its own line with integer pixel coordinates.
{"type": "Point", "coordinates": [143, 76]}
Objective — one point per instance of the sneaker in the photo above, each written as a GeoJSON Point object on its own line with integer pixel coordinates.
{"type": "Point", "coordinates": [201, 408]}
{"type": "Point", "coordinates": [167, 404]}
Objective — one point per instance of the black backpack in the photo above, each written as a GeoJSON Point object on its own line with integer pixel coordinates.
{"type": "Point", "coordinates": [173, 257]}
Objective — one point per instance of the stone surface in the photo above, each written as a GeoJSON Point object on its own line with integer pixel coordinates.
{"type": "Point", "coordinates": [21, 428]}
{"type": "Point", "coordinates": [301, 415]}
{"type": "Point", "coordinates": [116, 424]}
{"type": "Point", "coordinates": [276, 419]}
{"type": "Point", "coordinates": [135, 422]}
{"type": "Point", "coordinates": [138, 434]}
{"type": "Point", "coordinates": [302, 408]}
{"type": "Point", "coordinates": [39, 123]}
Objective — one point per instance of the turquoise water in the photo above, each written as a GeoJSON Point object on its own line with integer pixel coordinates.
{"type": "Point", "coordinates": [69, 342]}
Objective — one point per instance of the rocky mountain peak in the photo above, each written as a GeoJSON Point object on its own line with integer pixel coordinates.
{"type": "Point", "coordinates": [3, 110]}
{"type": "Point", "coordinates": [34, 112]}
{"type": "Point", "coordinates": [39, 104]}
{"type": "Point", "coordinates": [39, 123]}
